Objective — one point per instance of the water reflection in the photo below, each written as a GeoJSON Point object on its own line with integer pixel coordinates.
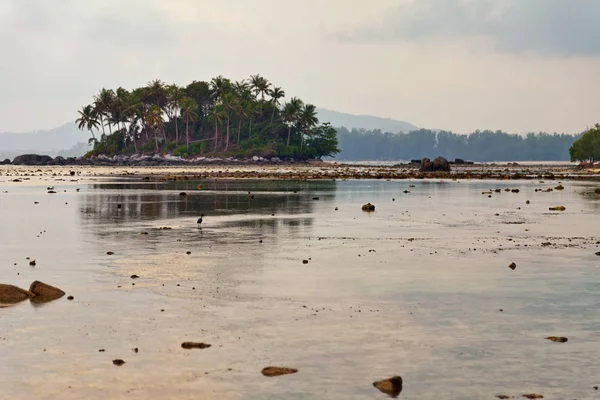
{"type": "Point", "coordinates": [154, 201]}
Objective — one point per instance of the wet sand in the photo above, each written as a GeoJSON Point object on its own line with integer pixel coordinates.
{"type": "Point", "coordinates": [414, 289]}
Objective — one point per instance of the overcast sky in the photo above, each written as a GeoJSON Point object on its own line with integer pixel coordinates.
{"type": "Point", "coordinates": [516, 65]}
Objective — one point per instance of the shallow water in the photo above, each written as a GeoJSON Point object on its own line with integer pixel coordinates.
{"type": "Point", "coordinates": [413, 289]}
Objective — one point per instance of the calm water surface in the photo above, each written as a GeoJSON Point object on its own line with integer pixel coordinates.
{"type": "Point", "coordinates": [414, 289]}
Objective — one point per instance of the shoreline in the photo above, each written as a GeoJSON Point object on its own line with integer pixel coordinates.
{"type": "Point", "coordinates": [314, 171]}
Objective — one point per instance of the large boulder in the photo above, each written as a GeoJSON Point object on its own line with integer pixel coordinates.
{"type": "Point", "coordinates": [32, 159]}
{"type": "Point", "coordinates": [5, 162]}
{"type": "Point", "coordinates": [10, 294]}
{"type": "Point", "coordinates": [426, 165]}
{"type": "Point", "coordinates": [392, 386]}
{"type": "Point", "coordinates": [441, 164]}
{"type": "Point", "coordinates": [45, 292]}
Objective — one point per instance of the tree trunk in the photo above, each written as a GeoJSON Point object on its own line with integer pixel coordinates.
{"type": "Point", "coordinates": [216, 136]}
{"type": "Point", "coordinates": [239, 130]}
{"type": "Point", "coordinates": [289, 134]}
{"type": "Point", "coordinates": [102, 124]}
{"type": "Point", "coordinates": [187, 133]}
{"type": "Point", "coordinates": [176, 131]}
{"type": "Point", "coordinates": [155, 141]}
{"type": "Point", "coordinates": [227, 139]}
{"type": "Point", "coordinates": [250, 129]}
{"type": "Point", "coordinates": [273, 113]}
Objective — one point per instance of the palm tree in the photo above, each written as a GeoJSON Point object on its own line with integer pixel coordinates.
{"type": "Point", "coordinates": [276, 94]}
{"type": "Point", "coordinates": [291, 113]}
{"type": "Point", "coordinates": [229, 104]}
{"type": "Point", "coordinates": [189, 111]}
{"type": "Point", "coordinates": [155, 92]}
{"type": "Point", "coordinates": [173, 106]}
{"type": "Point", "coordinates": [217, 116]}
{"type": "Point", "coordinates": [307, 119]}
{"type": "Point", "coordinates": [154, 120]}
{"type": "Point", "coordinates": [219, 86]}
{"type": "Point", "coordinates": [260, 85]}
{"type": "Point", "coordinates": [102, 105]}
{"type": "Point", "coordinates": [87, 119]}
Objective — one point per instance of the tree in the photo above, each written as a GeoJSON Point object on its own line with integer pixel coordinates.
{"type": "Point", "coordinates": [276, 94]}
{"type": "Point", "coordinates": [229, 104]}
{"type": "Point", "coordinates": [217, 117]}
{"type": "Point", "coordinates": [587, 148]}
{"type": "Point", "coordinates": [260, 85]}
{"type": "Point", "coordinates": [87, 119]}
{"type": "Point", "coordinates": [189, 111]}
{"type": "Point", "coordinates": [173, 106]}
{"type": "Point", "coordinates": [307, 120]}
{"type": "Point", "coordinates": [154, 121]}
{"type": "Point", "coordinates": [291, 115]}
{"type": "Point", "coordinates": [102, 105]}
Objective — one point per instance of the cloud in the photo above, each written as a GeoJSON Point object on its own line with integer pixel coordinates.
{"type": "Point", "coordinates": [545, 27]}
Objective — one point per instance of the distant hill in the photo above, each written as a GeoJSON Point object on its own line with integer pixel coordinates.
{"type": "Point", "coordinates": [368, 122]}
{"type": "Point", "coordinates": [50, 142]}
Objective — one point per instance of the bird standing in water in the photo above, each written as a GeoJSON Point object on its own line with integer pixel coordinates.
{"type": "Point", "coordinates": [200, 219]}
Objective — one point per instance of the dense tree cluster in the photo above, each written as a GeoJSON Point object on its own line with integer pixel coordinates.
{"type": "Point", "coordinates": [241, 118]}
{"type": "Point", "coordinates": [481, 146]}
{"type": "Point", "coordinates": [587, 148]}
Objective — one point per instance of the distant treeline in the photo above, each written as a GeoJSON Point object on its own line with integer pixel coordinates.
{"type": "Point", "coordinates": [482, 146]}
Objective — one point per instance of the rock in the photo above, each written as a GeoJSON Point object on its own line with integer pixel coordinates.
{"type": "Point", "coordinates": [194, 345]}
{"type": "Point", "coordinates": [502, 396]}
{"type": "Point", "coordinates": [304, 261]}
{"type": "Point", "coordinates": [32, 159]}
{"type": "Point", "coordinates": [426, 165]}
{"type": "Point", "coordinates": [315, 198]}
{"type": "Point", "coordinates": [512, 266]}
{"type": "Point", "coordinates": [118, 362]}
{"type": "Point", "coordinates": [368, 207]}
{"type": "Point", "coordinates": [597, 191]}
{"type": "Point", "coordinates": [558, 339]}
{"type": "Point", "coordinates": [533, 396]}
{"type": "Point", "coordinates": [459, 161]}
{"type": "Point", "coordinates": [598, 253]}
{"type": "Point", "coordinates": [32, 263]}
{"type": "Point", "coordinates": [183, 194]}
{"type": "Point", "coordinates": [278, 371]}
{"type": "Point", "coordinates": [558, 208]}
{"type": "Point", "coordinates": [392, 386]}
{"type": "Point", "coordinates": [10, 294]}
{"type": "Point", "coordinates": [559, 187]}
{"type": "Point", "coordinates": [109, 253]}
{"type": "Point", "coordinates": [134, 276]}
{"type": "Point", "coordinates": [45, 292]}
{"type": "Point", "coordinates": [70, 298]}
{"type": "Point", "coordinates": [5, 162]}
{"type": "Point", "coordinates": [441, 164]}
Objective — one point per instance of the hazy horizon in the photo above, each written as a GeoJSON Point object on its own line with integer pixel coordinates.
{"type": "Point", "coordinates": [447, 64]}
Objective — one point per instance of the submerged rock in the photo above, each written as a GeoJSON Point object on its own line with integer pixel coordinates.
{"type": "Point", "coordinates": [512, 266]}
{"type": "Point", "coordinates": [533, 396]}
{"type": "Point", "coordinates": [392, 386]}
{"type": "Point", "coordinates": [45, 292]}
{"type": "Point", "coordinates": [558, 208]}
{"type": "Point", "coordinates": [558, 339]}
{"type": "Point", "coordinates": [10, 294]}
{"type": "Point", "coordinates": [194, 345]}
{"type": "Point", "coordinates": [118, 362]}
{"type": "Point", "coordinates": [278, 371]}
{"type": "Point", "coordinates": [368, 207]}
